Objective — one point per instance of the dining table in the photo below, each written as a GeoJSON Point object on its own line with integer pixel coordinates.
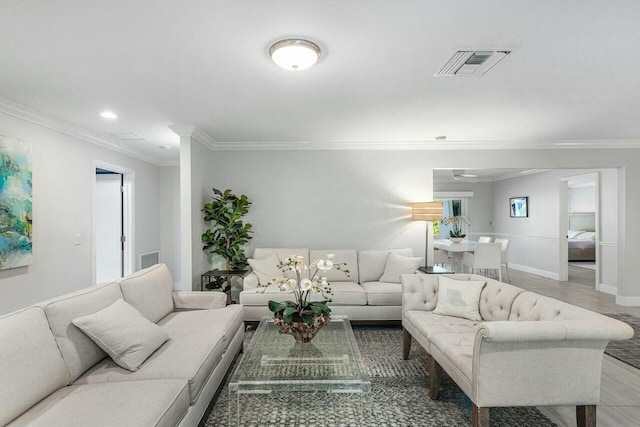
{"type": "Point", "coordinates": [455, 250]}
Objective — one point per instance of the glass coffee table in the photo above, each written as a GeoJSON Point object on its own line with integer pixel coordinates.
{"type": "Point", "coordinates": [274, 364]}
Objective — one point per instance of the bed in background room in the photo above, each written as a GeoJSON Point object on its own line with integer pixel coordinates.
{"type": "Point", "coordinates": [582, 236]}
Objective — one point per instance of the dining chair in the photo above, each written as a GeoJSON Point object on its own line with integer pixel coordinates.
{"type": "Point", "coordinates": [441, 258]}
{"type": "Point", "coordinates": [487, 256]}
{"type": "Point", "coordinates": [505, 256]}
{"type": "Point", "coordinates": [484, 239]}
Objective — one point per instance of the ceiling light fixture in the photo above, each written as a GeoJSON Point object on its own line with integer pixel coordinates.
{"type": "Point", "coordinates": [110, 115]}
{"type": "Point", "coordinates": [441, 138]}
{"type": "Point", "coordinates": [295, 54]}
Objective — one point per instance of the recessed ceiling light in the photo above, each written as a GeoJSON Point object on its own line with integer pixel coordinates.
{"type": "Point", "coordinates": [163, 147]}
{"type": "Point", "coordinates": [441, 138]}
{"type": "Point", "coordinates": [108, 115]}
{"type": "Point", "coordinates": [295, 54]}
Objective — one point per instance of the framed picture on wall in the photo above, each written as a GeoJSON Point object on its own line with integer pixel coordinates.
{"type": "Point", "coordinates": [519, 207]}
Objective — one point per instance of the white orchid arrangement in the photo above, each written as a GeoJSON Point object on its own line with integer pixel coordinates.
{"type": "Point", "coordinates": [307, 283]}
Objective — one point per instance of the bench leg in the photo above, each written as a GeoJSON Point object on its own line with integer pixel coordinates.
{"type": "Point", "coordinates": [480, 416]}
{"type": "Point", "coordinates": [435, 377]}
{"type": "Point", "coordinates": [586, 415]}
{"type": "Point", "coordinates": [406, 344]}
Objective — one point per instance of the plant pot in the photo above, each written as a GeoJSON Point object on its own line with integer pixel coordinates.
{"type": "Point", "coordinates": [457, 239]}
{"type": "Point", "coordinates": [301, 331]}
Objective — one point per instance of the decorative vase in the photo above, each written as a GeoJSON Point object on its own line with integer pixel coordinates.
{"type": "Point", "coordinates": [301, 331]}
{"type": "Point", "coordinates": [457, 239]}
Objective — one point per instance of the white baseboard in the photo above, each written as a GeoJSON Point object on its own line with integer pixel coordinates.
{"type": "Point", "coordinates": [608, 289]}
{"type": "Point", "coordinates": [628, 301]}
{"type": "Point", "coordinates": [536, 271]}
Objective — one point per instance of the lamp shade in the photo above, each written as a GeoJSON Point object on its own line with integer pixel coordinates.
{"type": "Point", "coordinates": [426, 211]}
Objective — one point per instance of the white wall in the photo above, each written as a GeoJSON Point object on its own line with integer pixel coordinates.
{"type": "Point", "coordinates": [582, 199]}
{"type": "Point", "coordinates": [360, 199]}
{"type": "Point", "coordinates": [63, 173]}
{"type": "Point", "coordinates": [534, 241]}
{"type": "Point", "coordinates": [169, 212]}
{"type": "Point", "coordinates": [609, 229]}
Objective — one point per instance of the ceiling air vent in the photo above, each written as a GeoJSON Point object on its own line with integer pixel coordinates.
{"type": "Point", "coordinates": [465, 63]}
{"type": "Point", "coordinates": [127, 136]}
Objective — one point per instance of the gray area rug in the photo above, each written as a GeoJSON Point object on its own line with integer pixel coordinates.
{"type": "Point", "coordinates": [400, 396]}
{"type": "Point", "coordinates": [627, 351]}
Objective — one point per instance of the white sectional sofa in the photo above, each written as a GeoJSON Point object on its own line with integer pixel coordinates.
{"type": "Point", "coordinates": [362, 296]}
{"type": "Point", "coordinates": [53, 375]}
{"type": "Point", "coordinates": [526, 350]}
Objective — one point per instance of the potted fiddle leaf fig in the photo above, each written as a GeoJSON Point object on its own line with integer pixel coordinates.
{"type": "Point", "coordinates": [227, 234]}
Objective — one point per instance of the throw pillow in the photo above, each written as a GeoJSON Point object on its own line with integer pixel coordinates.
{"type": "Point", "coordinates": [397, 265]}
{"type": "Point", "coordinates": [266, 269]}
{"type": "Point", "coordinates": [123, 333]}
{"type": "Point", "coordinates": [459, 298]}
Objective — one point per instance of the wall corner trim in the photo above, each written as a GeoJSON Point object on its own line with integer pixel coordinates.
{"type": "Point", "coordinates": [195, 133]}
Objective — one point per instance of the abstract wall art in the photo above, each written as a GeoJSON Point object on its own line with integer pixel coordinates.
{"type": "Point", "coordinates": [16, 227]}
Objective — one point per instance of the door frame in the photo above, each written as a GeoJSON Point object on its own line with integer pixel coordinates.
{"type": "Point", "coordinates": [563, 207]}
{"type": "Point", "coordinates": [128, 209]}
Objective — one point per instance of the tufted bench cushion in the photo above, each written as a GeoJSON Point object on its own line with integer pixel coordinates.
{"type": "Point", "coordinates": [429, 324]}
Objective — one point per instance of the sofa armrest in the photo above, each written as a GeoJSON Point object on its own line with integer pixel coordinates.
{"type": "Point", "coordinates": [199, 300]}
{"type": "Point", "coordinates": [558, 360]}
{"type": "Point", "coordinates": [250, 281]}
{"type": "Point", "coordinates": [597, 329]}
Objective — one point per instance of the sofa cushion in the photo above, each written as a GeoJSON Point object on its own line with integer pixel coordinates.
{"type": "Point", "coordinates": [496, 300]}
{"type": "Point", "coordinates": [191, 354]}
{"type": "Point", "coordinates": [371, 262]}
{"type": "Point", "coordinates": [282, 253]}
{"type": "Point", "coordinates": [149, 291]}
{"type": "Point", "coordinates": [227, 319]}
{"type": "Point", "coordinates": [459, 298]}
{"type": "Point", "coordinates": [458, 348]}
{"type": "Point", "coordinates": [531, 306]}
{"type": "Point", "coordinates": [350, 256]}
{"type": "Point", "coordinates": [344, 293]}
{"type": "Point", "coordinates": [398, 265]}
{"type": "Point", "coordinates": [78, 350]}
{"type": "Point", "coordinates": [430, 324]}
{"type": "Point", "coordinates": [347, 293]}
{"type": "Point", "coordinates": [31, 366]}
{"type": "Point", "coordinates": [157, 403]}
{"type": "Point", "coordinates": [381, 293]}
{"type": "Point", "coordinates": [266, 268]}
{"type": "Point", "coordinates": [125, 334]}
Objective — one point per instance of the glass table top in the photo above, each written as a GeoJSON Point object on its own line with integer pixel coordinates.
{"type": "Point", "coordinates": [273, 361]}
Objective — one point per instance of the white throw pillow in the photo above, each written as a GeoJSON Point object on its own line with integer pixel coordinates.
{"type": "Point", "coordinates": [459, 298]}
{"type": "Point", "coordinates": [266, 269]}
{"type": "Point", "coordinates": [397, 265]}
{"type": "Point", "coordinates": [123, 333]}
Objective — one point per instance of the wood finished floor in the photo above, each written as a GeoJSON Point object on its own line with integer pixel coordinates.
{"type": "Point", "coordinates": [620, 390]}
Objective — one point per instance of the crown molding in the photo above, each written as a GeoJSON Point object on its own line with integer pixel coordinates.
{"type": "Point", "coordinates": [195, 133]}
{"type": "Point", "coordinates": [25, 113]}
{"type": "Point", "coordinates": [425, 145]}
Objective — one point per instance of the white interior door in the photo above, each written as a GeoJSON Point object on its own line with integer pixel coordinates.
{"type": "Point", "coordinates": [109, 230]}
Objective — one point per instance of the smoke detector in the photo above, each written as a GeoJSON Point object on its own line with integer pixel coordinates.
{"type": "Point", "coordinates": [466, 63]}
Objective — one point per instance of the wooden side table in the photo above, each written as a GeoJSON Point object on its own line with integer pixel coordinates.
{"type": "Point", "coordinates": [215, 279]}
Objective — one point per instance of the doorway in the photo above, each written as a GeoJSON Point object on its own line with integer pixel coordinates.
{"type": "Point", "coordinates": [579, 231]}
{"type": "Point", "coordinates": [112, 223]}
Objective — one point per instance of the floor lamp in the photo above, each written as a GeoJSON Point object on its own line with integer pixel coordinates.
{"type": "Point", "coordinates": [427, 211]}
